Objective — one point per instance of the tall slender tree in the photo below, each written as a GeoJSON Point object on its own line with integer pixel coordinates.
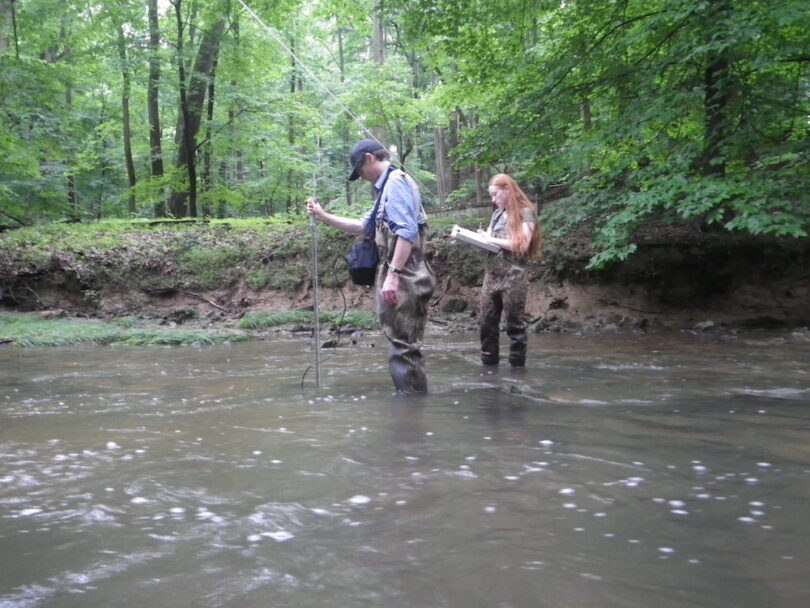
{"type": "Point", "coordinates": [153, 104]}
{"type": "Point", "coordinates": [126, 88]}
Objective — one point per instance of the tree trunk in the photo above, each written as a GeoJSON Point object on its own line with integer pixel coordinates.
{"type": "Point", "coordinates": [192, 98]}
{"type": "Point", "coordinates": [379, 33]}
{"type": "Point", "coordinates": [72, 191]}
{"type": "Point", "coordinates": [177, 202]}
{"type": "Point", "coordinates": [8, 27]}
{"type": "Point", "coordinates": [208, 146]}
{"type": "Point", "coordinates": [5, 24]}
{"type": "Point", "coordinates": [378, 54]}
{"type": "Point", "coordinates": [718, 92]}
{"type": "Point", "coordinates": [345, 133]}
{"type": "Point", "coordinates": [105, 165]}
{"type": "Point", "coordinates": [155, 151]}
{"type": "Point", "coordinates": [294, 84]}
{"type": "Point", "coordinates": [127, 85]}
{"type": "Point", "coordinates": [478, 175]}
{"type": "Point", "coordinates": [454, 176]}
{"type": "Point", "coordinates": [587, 121]}
{"type": "Point", "coordinates": [441, 191]}
{"type": "Point", "coordinates": [223, 179]}
{"type": "Point", "coordinates": [240, 161]}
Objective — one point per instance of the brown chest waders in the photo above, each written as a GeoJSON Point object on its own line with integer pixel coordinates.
{"type": "Point", "coordinates": [504, 291]}
{"type": "Point", "coordinates": [404, 324]}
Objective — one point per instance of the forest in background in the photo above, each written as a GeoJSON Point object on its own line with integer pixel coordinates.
{"type": "Point", "coordinates": [654, 111]}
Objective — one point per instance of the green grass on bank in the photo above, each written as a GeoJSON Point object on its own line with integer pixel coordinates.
{"type": "Point", "coordinates": [351, 319]}
{"type": "Point", "coordinates": [29, 330]}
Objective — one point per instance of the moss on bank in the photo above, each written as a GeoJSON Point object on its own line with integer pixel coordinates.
{"type": "Point", "coordinates": [29, 330]}
{"type": "Point", "coordinates": [346, 320]}
{"type": "Point", "coordinates": [25, 329]}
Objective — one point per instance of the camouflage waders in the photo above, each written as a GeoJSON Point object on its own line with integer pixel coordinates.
{"type": "Point", "coordinates": [504, 290]}
{"type": "Point", "coordinates": [404, 324]}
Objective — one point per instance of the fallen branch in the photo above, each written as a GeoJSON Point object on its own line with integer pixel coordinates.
{"type": "Point", "coordinates": [206, 300]}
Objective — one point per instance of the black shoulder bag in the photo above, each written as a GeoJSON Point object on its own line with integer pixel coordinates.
{"type": "Point", "coordinates": [363, 256]}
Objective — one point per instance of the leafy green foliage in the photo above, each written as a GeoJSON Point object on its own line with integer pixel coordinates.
{"type": "Point", "coordinates": [653, 110]}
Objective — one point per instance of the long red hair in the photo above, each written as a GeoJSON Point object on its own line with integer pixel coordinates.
{"type": "Point", "coordinates": [516, 202]}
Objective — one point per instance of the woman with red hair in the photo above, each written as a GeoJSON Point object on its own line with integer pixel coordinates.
{"type": "Point", "coordinates": [515, 229]}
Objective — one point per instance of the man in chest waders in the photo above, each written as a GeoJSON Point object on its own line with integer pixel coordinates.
{"type": "Point", "coordinates": [404, 281]}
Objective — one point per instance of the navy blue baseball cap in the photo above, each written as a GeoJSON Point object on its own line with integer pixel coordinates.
{"type": "Point", "coordinates": [358, 153]}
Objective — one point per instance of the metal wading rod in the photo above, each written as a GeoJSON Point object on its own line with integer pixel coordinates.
{"type": "Point", "coordinates": [316, 292]}
{"type": "Point", "coordinates": [316, 306]}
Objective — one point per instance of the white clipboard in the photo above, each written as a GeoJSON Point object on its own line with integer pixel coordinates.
{"type": "Point", "coordinates": [473, 239]}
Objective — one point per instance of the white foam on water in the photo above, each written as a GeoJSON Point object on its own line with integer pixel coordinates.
{"type": "Point", "coordinates": [779, 393]}
{"type": "Point", "coordinates": [568, 491]}
{"type": "Point", "coordinates": [140, 500]}
{"type": "Point", "coordinates": [359, 499]}
{"type": "Point", "coordinates": [278, 536]}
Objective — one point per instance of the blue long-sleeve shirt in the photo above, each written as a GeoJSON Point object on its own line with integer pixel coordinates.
{"type": "Point", "coordinates": [401, 207]}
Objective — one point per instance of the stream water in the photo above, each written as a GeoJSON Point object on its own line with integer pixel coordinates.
{"type": "Point", "coordinates": [632, 471]}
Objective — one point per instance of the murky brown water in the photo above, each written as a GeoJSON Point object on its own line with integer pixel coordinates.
{"type": "Point", "coordinates": [617, 471]}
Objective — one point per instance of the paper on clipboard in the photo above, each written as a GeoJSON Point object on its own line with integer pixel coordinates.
{"type": "Point", "coordinates": [473, 239]}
